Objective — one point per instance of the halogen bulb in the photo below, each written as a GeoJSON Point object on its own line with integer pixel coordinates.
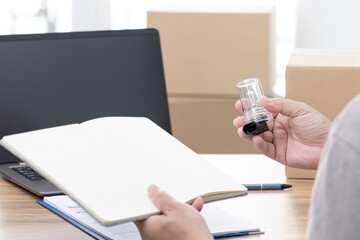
{"type": "Point", "coordinates": [256, 116]}
{"type": "Point", "coordinates": [252, 98]}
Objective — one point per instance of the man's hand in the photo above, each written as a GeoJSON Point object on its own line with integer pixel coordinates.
{"type": "Point", "coordinates": [295, 138]}
{"type": "Point", "coordinates": [178, 221]}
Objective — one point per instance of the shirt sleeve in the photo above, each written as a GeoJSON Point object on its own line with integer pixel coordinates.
{"type": "Point", "coordinates": [335, 205]}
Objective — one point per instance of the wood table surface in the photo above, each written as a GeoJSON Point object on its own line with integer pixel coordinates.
{"type": "Point", "coordinates": [281, 214]}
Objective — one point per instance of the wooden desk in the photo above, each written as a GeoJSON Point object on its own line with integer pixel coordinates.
{"type": "Point", "coordinates": [282, 214]}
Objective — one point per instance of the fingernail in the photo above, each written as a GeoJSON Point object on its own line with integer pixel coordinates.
{"type": "Point", "coordinates": [152, 189]}
{"type": "Point", "coordinates": [268, 100]}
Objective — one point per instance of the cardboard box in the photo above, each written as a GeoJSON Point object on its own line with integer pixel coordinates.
{"type": "Point", "coordinates": [324, 79]}
{"type": "Point", "coordinates": [207, 49]}
{"type": "Point", "coordinates": [205, 125]}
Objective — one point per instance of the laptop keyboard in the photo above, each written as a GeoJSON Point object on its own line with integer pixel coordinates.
{"type": "Point", "coordinates": [28, 172]}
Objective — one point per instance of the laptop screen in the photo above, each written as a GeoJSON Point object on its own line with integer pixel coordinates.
{"type": "Point", "coordinates": [55, 79]}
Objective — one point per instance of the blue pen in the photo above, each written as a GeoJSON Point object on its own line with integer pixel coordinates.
{"type": "Point", "coordinates": [237, 234]}
{"type": "Point", "coordinates": [268, 186]}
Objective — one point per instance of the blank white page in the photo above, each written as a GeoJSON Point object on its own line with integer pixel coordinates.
{"type": "Point", "coordinates": [107, 164]}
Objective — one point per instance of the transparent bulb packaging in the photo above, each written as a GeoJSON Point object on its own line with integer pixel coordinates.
{"type": "Point", "coordinates": [256, 116]}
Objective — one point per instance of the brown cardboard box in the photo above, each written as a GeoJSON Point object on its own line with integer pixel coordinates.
{"type": "Point", "coordinates": [205, 125]}
{"type": "Point", "coordinates": [206, 51]}
{"type": "Point", "coordinates": [324, 79]}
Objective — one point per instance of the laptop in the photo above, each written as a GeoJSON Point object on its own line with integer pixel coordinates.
{"type": "Point", "coordinates": [54, 79]}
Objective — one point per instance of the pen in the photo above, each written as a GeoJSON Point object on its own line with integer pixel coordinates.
{"type": "Point", "coordinates": [269, 186]}
{"type": "Point", "coordinates": [237, 234]}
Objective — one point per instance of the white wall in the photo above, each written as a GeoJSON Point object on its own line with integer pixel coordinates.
{"type": "Point", "coordinates": [88, 15]}
{"type": "Point", "coordinates": [328, 24]}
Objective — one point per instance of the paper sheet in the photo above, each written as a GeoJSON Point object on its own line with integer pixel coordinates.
{"type": "Point", "coordinates": [218, 220]}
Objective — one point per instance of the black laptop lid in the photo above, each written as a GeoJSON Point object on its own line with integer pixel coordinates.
{"type": "Point", "coordinates": [54, 79]}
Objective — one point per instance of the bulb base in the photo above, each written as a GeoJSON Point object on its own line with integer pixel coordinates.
{"type": "Point", "coordinates": [255, 128]}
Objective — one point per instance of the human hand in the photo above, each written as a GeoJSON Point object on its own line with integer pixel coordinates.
{"type": "Point", "coordinates": [295, 138]}
{"type": "Point", "coordinates": [179, 221]}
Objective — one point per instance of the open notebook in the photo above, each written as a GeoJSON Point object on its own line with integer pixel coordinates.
{"type": "Point", "coordinates": [107, 164]}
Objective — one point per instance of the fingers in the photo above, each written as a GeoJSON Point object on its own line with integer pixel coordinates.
{"type": "Point", "coordinates": [265, 147]}
{"type": "Point", "coordinates": [162, 200]}
{"type": "Point", "coordinates": [243, 135]}
{"type": "Point", "coordinates": [238, 105]}
{"type": "Point", "coordinates": [139, 224]}
{"type": "Point", "coordinates": [268, 136]}
{"type": "Point", "coordinates": [150, 225]}
{"type": "Point", "coordinates": [198, 204]}
{"type": "Point", "coordinates": [284, 106]}
{"type": "Point", "coordinates": [239, 122]}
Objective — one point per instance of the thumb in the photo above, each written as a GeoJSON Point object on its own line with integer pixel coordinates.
{"type": "Point", "coordinates": [283, 106]}
{"type": "Point", "coordinates": [162, 200]}
{"type": "Point", "coordinates": [198, 204]}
